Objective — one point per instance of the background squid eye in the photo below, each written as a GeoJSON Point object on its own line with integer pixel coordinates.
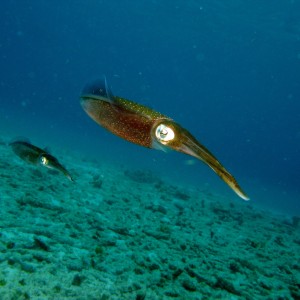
{"type": "Point", "coordinates": [43, 160]}
{"type": "Point", "coordinates": [164, 133]}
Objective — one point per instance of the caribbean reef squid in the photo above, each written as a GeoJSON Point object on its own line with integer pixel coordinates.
{"type": "Point", "coordinates": [143, 126]}
{"type": "Point", "coordinates": [37, 156]}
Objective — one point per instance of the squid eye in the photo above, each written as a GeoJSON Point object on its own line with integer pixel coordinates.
{"type": "Point", "coordinates": [44, 160]}
{"type": "Point", "coordinates": [164, 133]}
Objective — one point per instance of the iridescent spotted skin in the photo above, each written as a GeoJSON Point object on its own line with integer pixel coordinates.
{"type": "Point", "coordinates": [125, 118]}
{"type": "Point", "coordinates": [143, 126]}
{"type": "Point", "coordinates": [37, 156]}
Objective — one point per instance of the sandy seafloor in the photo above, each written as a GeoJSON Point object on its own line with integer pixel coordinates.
{"type": "Point", "coordinates": [118, 233]}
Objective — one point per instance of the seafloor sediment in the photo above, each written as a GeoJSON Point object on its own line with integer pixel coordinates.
{"type": "Point", "coordinates": [117, 233]}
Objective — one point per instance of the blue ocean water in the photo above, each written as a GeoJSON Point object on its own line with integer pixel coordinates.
{"type": "Point", "coordinates": [228, 71]}
{"type": "Point", "coordinates": [138, 223]}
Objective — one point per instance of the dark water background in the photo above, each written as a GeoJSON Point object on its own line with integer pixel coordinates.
{"type": "Point", "coordinates": [229, 71]}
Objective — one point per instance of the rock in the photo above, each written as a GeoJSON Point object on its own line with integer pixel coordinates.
{"type": "Point", "coordinates": [157, 208]}
{"type": "Point", "coordinates": [172, 293]}
{"type": "Point", "coordinates": [97, 181]}
{"type": "Point", "coordinates": [41, 244]}
{"type": "Point", "coordinates": [234, 267]}
{"type": "Point", "coordinates": [27, 267]}
{"type": "Point", "coordinates": [189, 285]}
{"type": "Point", "coordinates": [77, 280]}
{"type": "Point", "coordinates": [121, 230]}
{"type": "Point", "coordinates": [140, 296]}
{"type": "Point", "coordinates": [224, 284]}
{"type": "Point", "coordinates": [177, 273]}
{"type": "Point", "coordinates": [158, 235]}
{"type": "Point", "coordinates": [194, 274]}
{"type": "Point", "coordinates": [74, 265]}
{"type": "Point", "coordinates": [141, 176]}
